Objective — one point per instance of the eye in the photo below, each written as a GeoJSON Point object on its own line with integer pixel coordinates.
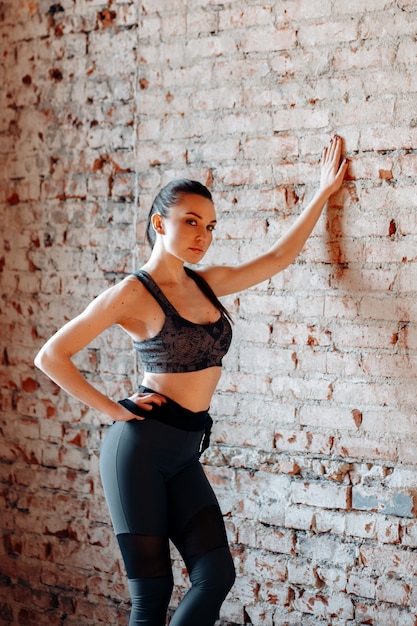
{"type": "Point", "coordinates": [210, 228]}
{"type": "Point", "coordinates": [191, 222]}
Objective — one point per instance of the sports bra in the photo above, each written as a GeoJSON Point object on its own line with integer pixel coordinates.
{"type": "Point", "coordinates": [181, 345]}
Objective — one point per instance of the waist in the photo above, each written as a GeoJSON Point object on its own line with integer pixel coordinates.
{"type": "Point", "coordinates": [193, 390]}
{"type": "Point", "coordinates": [173, 414]}
{"type": "Point", "coordinates": [170, 413]}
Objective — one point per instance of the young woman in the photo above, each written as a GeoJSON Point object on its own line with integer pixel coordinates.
{"type": "Point", "coordinates": [153, 481]}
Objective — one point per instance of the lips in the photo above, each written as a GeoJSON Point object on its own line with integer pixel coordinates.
{"type": "Point", "coordinates": [197, 250]}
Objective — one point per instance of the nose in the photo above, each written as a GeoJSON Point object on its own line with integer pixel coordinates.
{"type": "Point", "coordinates": [202, 234]}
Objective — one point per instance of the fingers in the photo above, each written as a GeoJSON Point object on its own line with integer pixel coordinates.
{"type": "Point", "coordinates": [342, 170]}
{"type": "Point", "coordinates": [156, 398]}
{"type": "Point", "coordinates": [334, 150]}
{"type": "Point", "coordinates": [333, 166]}
{"type": "Point", "coordinates": [147, 400]}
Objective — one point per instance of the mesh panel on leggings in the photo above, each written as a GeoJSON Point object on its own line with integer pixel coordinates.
{"type": "Point", "coordinates": [145, 556]}
{"type": "Point", "coordinates": [204, 532]}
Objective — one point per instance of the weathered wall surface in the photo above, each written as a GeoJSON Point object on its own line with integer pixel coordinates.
{"type": "Point", "coordinates": [314, 453]}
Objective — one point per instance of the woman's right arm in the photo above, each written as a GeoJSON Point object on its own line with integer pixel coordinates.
{"type": "Point", "coordinates": [54, 358]}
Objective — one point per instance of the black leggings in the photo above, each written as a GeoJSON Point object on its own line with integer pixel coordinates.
{"type": "Point", "coordinates": [156, 490]}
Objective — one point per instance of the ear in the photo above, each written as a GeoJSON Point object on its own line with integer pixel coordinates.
{"type": "Point", "coordinates": [157, 223]}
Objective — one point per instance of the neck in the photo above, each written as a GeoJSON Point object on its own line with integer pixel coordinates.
{"type": "Point", "coordinates": [167, 268]}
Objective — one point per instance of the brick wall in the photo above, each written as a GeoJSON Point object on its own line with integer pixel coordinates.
{"type": "Point", "coordinates": [314, 454]}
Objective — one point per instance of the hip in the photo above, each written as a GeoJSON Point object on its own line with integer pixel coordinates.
{"type": "Point", "coordinates": [166, 426]}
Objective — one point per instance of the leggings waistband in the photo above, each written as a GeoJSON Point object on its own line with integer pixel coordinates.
{"type": "Point", "coordinates": [173, 414]}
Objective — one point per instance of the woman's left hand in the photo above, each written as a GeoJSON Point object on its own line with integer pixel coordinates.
{"type": "Point", "coordinates": [332, 169]}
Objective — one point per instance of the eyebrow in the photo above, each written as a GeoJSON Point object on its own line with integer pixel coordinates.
{"type": "Point", "coordinates": [199, 216]}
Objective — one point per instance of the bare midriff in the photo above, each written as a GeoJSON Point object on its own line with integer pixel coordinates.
{"type": "Point", "coordinates": [193, 390]}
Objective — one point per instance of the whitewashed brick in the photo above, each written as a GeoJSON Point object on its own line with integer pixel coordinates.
{"type": "Point", "coordinates": [102, 103]}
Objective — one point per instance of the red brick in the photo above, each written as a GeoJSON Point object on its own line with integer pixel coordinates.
{"type": "Point", "coordinates": [302, 441]}
{"type": "Point", "coordinates": [388, 613]}
{"type": "Point", "coordinates": [393, 591]}
{"type": "Point", "coordinates": [359, 448]}
{"type": "Point", "coordinates": [328, 496]}
{"type": "Point", "coordinates": [320, 605]}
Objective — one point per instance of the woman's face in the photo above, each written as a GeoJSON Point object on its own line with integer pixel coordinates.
{"type": "Point", "coordinates": [187, 232]}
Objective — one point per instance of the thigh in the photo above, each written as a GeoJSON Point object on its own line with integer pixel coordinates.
{"type": "Point", "coordinates": [196, 524]}
{"type": "Point", "coordinates": [133, 485]}
{"type": "Point", "coordinates": [188, 492]}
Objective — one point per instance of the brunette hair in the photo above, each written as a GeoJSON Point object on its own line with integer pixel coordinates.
{"type": "Point", "coordinates": [169, 196]}
{"type": "Point", "coordinates": [164, 201]}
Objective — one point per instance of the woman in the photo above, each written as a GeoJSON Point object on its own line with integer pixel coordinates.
{"type": "Point", "coordinates": [154, 484]}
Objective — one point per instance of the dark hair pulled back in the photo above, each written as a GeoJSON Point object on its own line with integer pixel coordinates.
{"type": "Point", "coordinates": [164, 201]}
{"type": "Point", "coordinates": [169, 197]}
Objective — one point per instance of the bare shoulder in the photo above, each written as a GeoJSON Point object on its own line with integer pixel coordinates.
{"type": "Point", "coordinates": [229, 279]}
{"type": "Point", "coordinates": [125, 304]}
{"type": "Point", "coordinates": [218, 277]}
{"type": "Point", "coordinates": [138, 313]}
{"type": "Point", "coordinates": [123, 299]}
{"type": "Point", "coordinates": [130, 287]}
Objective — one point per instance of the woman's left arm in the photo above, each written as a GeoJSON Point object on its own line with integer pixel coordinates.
{"type": "Point", "coordinates": [225, 280]}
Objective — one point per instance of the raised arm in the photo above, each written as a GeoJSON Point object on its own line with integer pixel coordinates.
{"type": "Point", "coordinates": [111, 307]}
{"type": "Point", "coordinates": [225, 280]}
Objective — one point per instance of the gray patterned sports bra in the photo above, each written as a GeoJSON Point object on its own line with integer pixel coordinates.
{"type": "Point", "coordinates": [181, 345]}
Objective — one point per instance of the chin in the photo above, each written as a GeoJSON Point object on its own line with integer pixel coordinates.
{"type": "Point", "coordinates": [197, 258]}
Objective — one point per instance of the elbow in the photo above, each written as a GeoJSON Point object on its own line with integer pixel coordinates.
{"type": "Point", "coordinates": [39, 360]}
{"type": "Point", "coordinates": [44, 361]}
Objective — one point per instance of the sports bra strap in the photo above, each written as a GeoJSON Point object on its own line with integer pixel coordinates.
{"type": "Point", "coordinates": [147, 280]}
